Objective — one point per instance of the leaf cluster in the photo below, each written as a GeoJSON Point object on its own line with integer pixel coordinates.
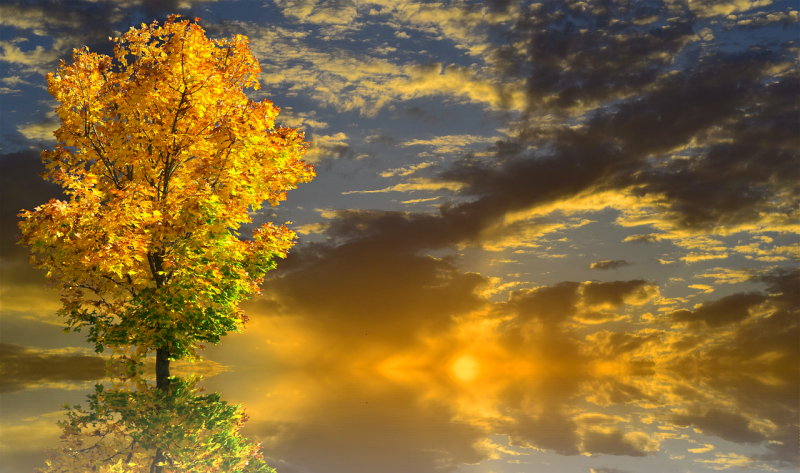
{"type": "Point", "coordinates": [139, 429]}
{"type": "Point", "coordinates": [163, 158]}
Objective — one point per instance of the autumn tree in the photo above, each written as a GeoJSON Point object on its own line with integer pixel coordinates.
{"type": "Point", "coordinates": [163, 158]}
{"type": "Point", "coordinates": [133, 427]}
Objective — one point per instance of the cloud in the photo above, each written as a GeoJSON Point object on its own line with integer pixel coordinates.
{"type": "Point", "coordinates": [694, 257]}
{"type": "Point", "coordinates": [349, 81]}
{"type": "Point", "coordinates": [642, 238]}
{"type": "Point", "coordinates": [519, 368]}
{"type": "Point", "coordinates": [702, 287]}
{"type": "Point", "coordinates": [450, 144]}
{"type": "Point", "coordinates": [572, 70]}
{"type": "Point", "coordinates": [326, 147]}
{"type": "Point", "coordinates": [610, 148]}
{"type": "Point", "coordinates": [413, 184]}
{"type": "Point", "coordinates": [731, 275]}
{"type": "Point", "coordinates": [728, 310]}
{"type": "Point", "coordinates": [724, 461]}
{"type": "Point", "coordinates": [27, 368]}
{"type": "Point", "coordinates": [22, 443]}
{"type": "Point", "coordinates": [14, 81]}
{"type": "Point", "coordinates": [35, 60]}
{"type": "Point", "coordinates": [614, 345]}
{"type": "Point", "coordinates": [27, 17]}
{"type": "Point", "coordinates": [705, 448]}
{"type": "Point", "coordinates": [340, 12]}
{"type": "Point", "coordinates": [763, 18]}
{"type": "Point", "coordinates": [362, 288]}
{"type": "Point", "coordinates": [609, 264]}
{"type": "Point", "coordinates": [73, 25]}
{"type": "Point", "coordinates": [709, 8]}
{"type": "Point", "coordinates": [726, 425]}
{"type": "Point", "coordinates": [41, 131]}
{"type": "Point", "coordinates": [467, 26]}
{"type": "Point", "coordinates": [406, 170]}
{"type": "Point", "coordinates": [289, 118]}
{"type": "Point", "coordinates": [589, 302]}
{"type": "Point", "coordinates": [612, 441]}
{"type": "Point", "coordinates": [22, 188]}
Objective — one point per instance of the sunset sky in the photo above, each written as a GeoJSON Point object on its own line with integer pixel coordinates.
{"type": "Point", "coordinates": [543, 237]}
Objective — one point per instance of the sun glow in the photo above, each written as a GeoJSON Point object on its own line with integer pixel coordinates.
{"type": "Point", "coordinates": [466, 368]}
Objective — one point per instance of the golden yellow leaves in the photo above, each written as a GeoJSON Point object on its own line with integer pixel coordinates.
{"type": "Point", "coordinates": [161, 155]}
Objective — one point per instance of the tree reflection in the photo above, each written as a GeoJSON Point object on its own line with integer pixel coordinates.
{"type": "Point", "coordinates": [135, 427]}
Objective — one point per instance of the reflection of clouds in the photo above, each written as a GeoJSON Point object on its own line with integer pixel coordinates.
{"type": "Point", "coordinates": [406, 368]}
{"type": "Point", "coordinates": [20, 442]}
{"type": "Point", "coordinates": [26, 368]}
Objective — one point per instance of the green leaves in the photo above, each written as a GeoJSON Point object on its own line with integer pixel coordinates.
{"type": "Point", "coordinates": [125, 426]}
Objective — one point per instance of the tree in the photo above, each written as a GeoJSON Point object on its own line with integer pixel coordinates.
{"type": "Point", "coordinates": [162, 156]}
{"type": "Point", "coordinates": [133, 427]}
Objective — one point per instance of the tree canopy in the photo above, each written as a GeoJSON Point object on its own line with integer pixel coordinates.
{"type": "Point", "coordinates": [162, 158]}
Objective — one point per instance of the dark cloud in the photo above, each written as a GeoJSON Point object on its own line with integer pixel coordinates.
{"type": "Point", "coordinates": [71, 24]}
{"type": "Point", "coordinates": [405, 231]}
{"type": "Point", "coordinates": [370, 287]}
{"type": "Point", "coordinates": [745, 124]}
{"type": "Point", "coordinates": [614, 442]}
{"type": "Point", "coordinates": [613, 344]}
{"type": "Point", "coordinates": [553, 431]}
{"type": "Point", "coordinates": [614, 293]}
{"type": "Point", "coordinates": [609, 264]}
{"type": "Point", "coordinates": [420, 114]}
{"type": "Point", "coordinates": [628, 147]}
{"type": "Point", "coordinates": [615, 392]}
{"type": "Point", "coordinates": [78, 23]}
{"type": "Point", "coordinates": [21, 187]}
{"type": "Point", "coordinates": [578, 57]}
{"type": "Point", "coordinates": [755, 363]}
{"type": "Point", "coordinates": [730, 426]}
{"type": "Point", "coordinates": [23, 368]}
{"type": "Point", "coordinates": [725, 311]}
{"type": "Point", "coordinates": [551, 304]}
{"type": "Point", "coordinates": [642, 238]}
{"type": "Point", "coordinates": [384, 140]}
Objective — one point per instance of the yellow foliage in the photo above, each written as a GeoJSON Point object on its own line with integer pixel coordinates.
{"type": "Point", "coordinates": [162, 155]}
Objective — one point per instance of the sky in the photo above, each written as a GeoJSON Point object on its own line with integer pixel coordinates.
{"type": "Point", "coordinates": [543, 237]}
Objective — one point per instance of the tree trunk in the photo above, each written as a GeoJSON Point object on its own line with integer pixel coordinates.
{"type": "Point", "coordinates": [159, 458]}
{"type": "Point", "coordinates": [162, 368]}
{"type": "Point", "coordinates": [162, 382]}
